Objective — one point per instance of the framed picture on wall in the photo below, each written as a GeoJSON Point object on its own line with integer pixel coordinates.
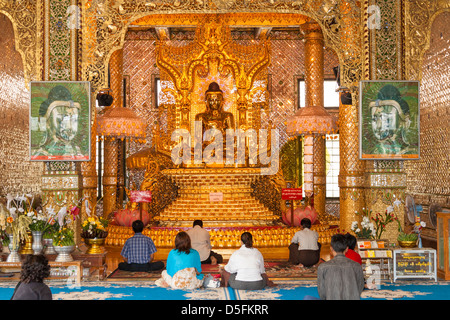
{"type": "Point", "coordinates": [389, 120]}
{"type": "Point", "coordinates": [60, 120]}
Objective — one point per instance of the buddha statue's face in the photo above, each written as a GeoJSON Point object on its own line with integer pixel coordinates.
{"type": "Point", "coordinates": [385, 121]}
{"type": "Point", "coordinates": [214, 101]}
{"type": "Point", "coordinates": [63, 119]}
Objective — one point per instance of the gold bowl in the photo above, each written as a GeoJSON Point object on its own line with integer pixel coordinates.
{"type": "Point", "coordinates": [94, 245]}
{"type": "Point", "coordinates": [407, 244]}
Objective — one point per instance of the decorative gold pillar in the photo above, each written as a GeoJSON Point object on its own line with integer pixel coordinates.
{"type": "Point", "coordinates": [88, 168]}
{"type": "Point", "coordinates": [351, 172]}
{"type": "Point", "coordinates": [111, 144]}
{"type": "Point", "coordinates": [314, 75]}
{"type": "Point", "coordinates": [351, 175]}
{"type": "Point", "coordinates": [386, 179]}
{"type": "Point", "coordinates": [61, 180]}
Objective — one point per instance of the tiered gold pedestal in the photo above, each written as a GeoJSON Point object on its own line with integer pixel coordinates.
{"type": "Point", "coordinates": [238, 207]}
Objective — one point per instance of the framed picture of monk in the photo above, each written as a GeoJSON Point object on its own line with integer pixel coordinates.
{"type": "Point", "coordinates": [389, 120]}
{"type": "Point", "coordinates": [60, 121]}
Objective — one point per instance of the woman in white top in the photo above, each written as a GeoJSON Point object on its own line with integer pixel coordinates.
{"type": "Point", "coordinates": [245, 269]}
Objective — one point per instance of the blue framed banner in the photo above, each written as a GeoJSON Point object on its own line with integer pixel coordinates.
{"type": "Point", "coordinates": [389, 120]}
{"type": "Point", "coordinates": [60, 118]}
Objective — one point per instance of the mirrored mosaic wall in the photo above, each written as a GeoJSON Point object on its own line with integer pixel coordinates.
{"type": "Point", "coordinates": [17, 174]}
{"type": "Point", "coordinates": [428, 179]}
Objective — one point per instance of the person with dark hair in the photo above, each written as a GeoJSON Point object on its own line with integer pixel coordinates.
{"type": "Point", "coordinates": [245, 269]}
{"type": "Point", "coordinates": [183, 267]}
{"type": "Point", "coordinates": [339, 278]}
{"type": "Point", "coordinates": [201, 241]}
{"type": "Point", "coordinates": [138, 252]}
{"type": "Point", "coordinates": [351, 244]}
{"type": "Point", "coordinates": [31, 286]}
{"type": "Point", "coordinates": [305, 248]}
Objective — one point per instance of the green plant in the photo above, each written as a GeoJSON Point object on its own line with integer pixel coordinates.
{"type": "Point", "coordinates": [51, 230]}
{"type": "Point", "coordinates": [407, 236]}
{"type": "Point", "coordinates": [38, 225]}
{"type": "Point", "coordinates": [64, 237]}
{"type": "Point", "coordinates": [48, 234]}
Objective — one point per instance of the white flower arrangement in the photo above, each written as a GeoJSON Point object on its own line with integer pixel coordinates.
{"type": "Point", "coordinates": [367, 229]}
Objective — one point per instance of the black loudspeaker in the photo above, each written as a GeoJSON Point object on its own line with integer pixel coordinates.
{"type": "Point", "coordinates": [104, 99]}
{"type": "Point", "coordinates": [346, 98]}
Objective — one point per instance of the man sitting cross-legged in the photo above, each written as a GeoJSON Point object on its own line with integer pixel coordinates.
{"type": "Point", "coordinates": [138, 252]}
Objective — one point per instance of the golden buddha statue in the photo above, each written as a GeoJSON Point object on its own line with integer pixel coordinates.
{"type": "Point", "coordinates": [215, 117]}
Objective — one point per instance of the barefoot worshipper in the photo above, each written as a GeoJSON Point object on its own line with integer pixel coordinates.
{"type": "Point", "coordinates": [201, 241]}
{"type": "Point", "coordinates": [183, 266]}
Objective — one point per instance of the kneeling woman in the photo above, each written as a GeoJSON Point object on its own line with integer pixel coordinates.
{"type": "Point", "coordinates": [183, 267]}
{"type": "Point", "coordinates": [245, 269]}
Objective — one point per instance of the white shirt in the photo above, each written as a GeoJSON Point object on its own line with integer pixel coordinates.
{"type": "Point", "coordinates": [247, 263]}
{"type": "Point", "coordinates": [306, 239]}
{"type": "Point", "coordinates": [200, 241]}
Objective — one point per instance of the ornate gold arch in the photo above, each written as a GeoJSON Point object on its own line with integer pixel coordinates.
{"type": "Point", "coordinates": [27, 21]}
{"type": "Point", "coordinates": [104, 24]}
{"type": "Point", "coordinates": [420, 16]}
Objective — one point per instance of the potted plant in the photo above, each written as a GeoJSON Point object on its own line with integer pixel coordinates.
{"type": "Point", "coordinates": [41, 221]}
{"type": "Point", "coordinates": [407, 240]}
{"type": "Point", "coordinates": [63, 237]}
{"type": "Point", "coordinates": [94, 233]}
{"type": "Point", "coordinates": [64, 244]}
{"type": "Point", "coordinates": [15, 222]}
{"type": "Point", "coordinates": [47, 238]}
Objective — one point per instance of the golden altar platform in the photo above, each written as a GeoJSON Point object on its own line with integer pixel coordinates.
{"type": "Point", "coordinates": [221, 197]}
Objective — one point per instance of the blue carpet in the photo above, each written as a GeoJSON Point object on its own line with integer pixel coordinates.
{"type": "Point", "coordinates": [285, 291]}
{"type": "Point", "coordinates": [401, 290]}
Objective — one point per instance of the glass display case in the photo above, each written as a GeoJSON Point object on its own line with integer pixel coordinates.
{"type": "Point", "coordinates": [443, 243]}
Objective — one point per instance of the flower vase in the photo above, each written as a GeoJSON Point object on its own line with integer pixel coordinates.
{"type": "Point", "coordinates": [27, 248]}
{"type": "Point", "coordinates": [37, 245]}
{"type": "Point", "coordinates": [64, 253]}
{"type": "Point", "coordinates": [94, 245]}
{"type": "Point", "coordinates": [48, 246]}
{"type": "Point", "coordinates": [13, 250]}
